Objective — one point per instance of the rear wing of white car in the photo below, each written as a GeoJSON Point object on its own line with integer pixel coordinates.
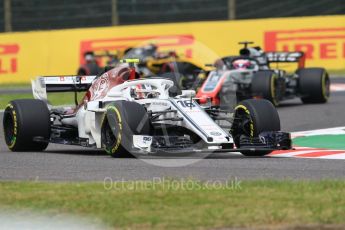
{"type": "Point", "coordinates": [45, 84]}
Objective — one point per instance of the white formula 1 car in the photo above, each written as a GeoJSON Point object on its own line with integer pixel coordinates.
{"type": "Point", "coordinates": [125, 115]}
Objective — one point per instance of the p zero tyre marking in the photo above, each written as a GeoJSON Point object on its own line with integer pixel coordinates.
{"type": "Point", "coordinates": [325, 86]}
{"type": "Point", "coordinates": [118, 137]}
{"type": "Point", "coordinates": [273, 90]}
{"type": "Point", "coordinates": [13, 139]}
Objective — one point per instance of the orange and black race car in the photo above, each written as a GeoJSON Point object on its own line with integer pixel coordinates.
{"type": "Point", "coordinates": [190, 74]}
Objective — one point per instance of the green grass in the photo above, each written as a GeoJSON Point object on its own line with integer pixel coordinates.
{"type": "Point", "coordinates": [15, 85]}
{"type": "Point", "coordinates": [190, 205]}
{"type": "Point", "coordinates": [54, 98]}
{"type": "Point", "coordinates": [321, 141]}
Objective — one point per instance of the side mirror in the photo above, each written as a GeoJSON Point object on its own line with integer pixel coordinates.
{"type": "Point", "coordinates": [188, 93]}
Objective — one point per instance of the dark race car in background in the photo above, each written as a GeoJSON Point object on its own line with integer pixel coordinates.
{"type": "Point", "coordinates": [251, 75]}
{"type": "Point", "coordinates": [187, 73]}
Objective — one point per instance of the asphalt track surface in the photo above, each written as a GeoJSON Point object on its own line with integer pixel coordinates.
{"type": "Point", "coordinates": [69, 163]}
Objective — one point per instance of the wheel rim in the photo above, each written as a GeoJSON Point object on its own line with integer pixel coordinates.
{"type": "Point", "coordinates": [108, 135]}
{"type": "Point", "coordinates": [112, 134]}
{"type": "Point", "coordinates": [242, 125]}
{"type": "Point", "coordinates": [109, 139]}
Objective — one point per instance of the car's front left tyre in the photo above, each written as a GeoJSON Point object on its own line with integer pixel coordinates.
{"type": "Point", "coordinates": [26, 125]}
{"type": "Point", "coordinates": [122, 120]}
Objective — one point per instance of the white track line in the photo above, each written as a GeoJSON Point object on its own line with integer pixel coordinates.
{"type": "Point", "coordinates": [340, 156]}
{"type": "Point", "coordinates": [333, 153]}
{"type": "Point", "coordinates": [291, 153]}
{"type": "Point", "coordinates": [336, 87]}
{"type": "Point", "coordinates": [327, 131]}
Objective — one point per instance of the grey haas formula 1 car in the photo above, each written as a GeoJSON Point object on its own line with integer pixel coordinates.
{"type": "Point", "coordinates": [250, 75]}
{"type": "Point", "coordinates": [126, 115]}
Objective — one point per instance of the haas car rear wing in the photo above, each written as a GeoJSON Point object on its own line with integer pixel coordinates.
{"type": "Point", "coordinates": [42, 85]}
{"type": "Point", "coordinates": [284, 57]}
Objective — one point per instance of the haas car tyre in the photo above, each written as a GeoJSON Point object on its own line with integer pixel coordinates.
{"type": "Point", "coordinates": [26, 125]}
{"type": "Point", "coordinates": [264, 84]}
{"type": "Point", "coordinates": [252, 117]}
{"type": "Point", "coordinates": [313, 85]}
{"type": "Point", "coordinates": [122, 120]}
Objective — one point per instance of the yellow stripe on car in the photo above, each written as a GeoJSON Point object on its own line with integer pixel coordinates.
{"type": "Point", "coordinates": [119, 134]}
{"type": "Point", "coordinates": [273, 90]}
{"type": "Point", "coordinates": [130, 60]}
{"type": "Point", "coordinates": [324, 90]}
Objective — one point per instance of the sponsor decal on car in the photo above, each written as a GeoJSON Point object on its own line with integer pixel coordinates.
{"type": "Point", "coordinates": [100, 88]}
{"type": "Point", "coordinates": [214, 133]}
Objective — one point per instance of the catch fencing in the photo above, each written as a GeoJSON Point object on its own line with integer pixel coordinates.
{"type": "Point", "coordinates": [26, 15]}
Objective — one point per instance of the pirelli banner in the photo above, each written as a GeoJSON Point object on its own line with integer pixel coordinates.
{"type": "Point", "coordinates": [60, 52]}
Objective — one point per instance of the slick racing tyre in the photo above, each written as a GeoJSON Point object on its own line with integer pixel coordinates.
{"type": "Point", "coordinates": [251, 117]}
{"type": "Point", "coordinates": [122, 120]}
{"type": "Point", "coordinates": [26, 125]}
{"type": "Point", "coordinates": [264, 84]}
{"type": "Point", "coordinates": [313, 85]}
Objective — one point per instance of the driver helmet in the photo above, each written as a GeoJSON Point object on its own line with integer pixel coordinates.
{"type": "Point", "coordinates": [242, 64]}
{"type": "Point", "coordinates": [150, 47]}
{"type": "Point", "coordinates": [89, 56]}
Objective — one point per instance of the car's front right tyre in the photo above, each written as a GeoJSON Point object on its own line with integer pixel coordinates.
{"type": "Point", "coordinates": [251, 117]}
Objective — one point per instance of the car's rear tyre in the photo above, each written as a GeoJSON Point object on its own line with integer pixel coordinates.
{"type": "Point", "coordinates": [264, 85]}
{"type": "Point", "coordinates": [313, 85]}
{"type": "Point", "coordinates": [251, 117]}
{"type": "Point", "coordinates": [26, 125]}
{"type": "Point", "coordinates": [122, 120]}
